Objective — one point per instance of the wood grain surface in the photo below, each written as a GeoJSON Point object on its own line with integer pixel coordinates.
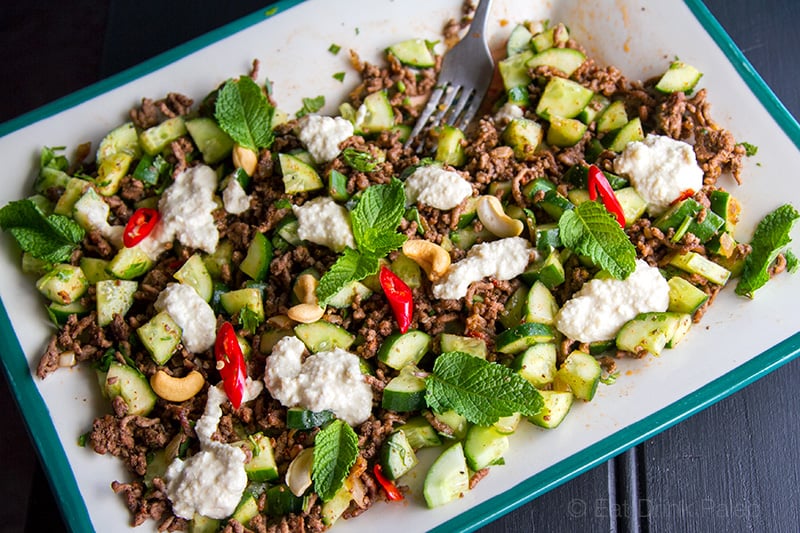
{"type": "Point", "coordinates": [732, 467]}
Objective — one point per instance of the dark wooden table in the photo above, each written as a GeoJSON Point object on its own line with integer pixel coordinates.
{"type": "Point", "coordinates": [733, 467]}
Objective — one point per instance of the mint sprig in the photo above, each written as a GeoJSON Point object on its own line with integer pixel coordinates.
{"type": "Point", "coordinates": [335, 452]}
{"type": "Point", "coordinates": [374, 220]}
{"type": "Point", "coordinates": [592, 231]}
{"type": "Point", "coordinates": [771, 235]}
{"type": "Point", "coordinates": [311, 105]}
{"type": "Point", "coordinates": [480, 391]}
{"type": "Point", "coordinates": [51, 238]}
{"type": "Point", "coordinates": [244, 112]}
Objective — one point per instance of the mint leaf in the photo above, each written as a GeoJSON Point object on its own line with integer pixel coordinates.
{"type": "Point", "coordinates": [361, 161]}
{"type": "Point", "coordinates": [244, 113]}
{"type": "Point", "coordinates": [479, 390]}
{"type": "Point", "coordinates": [335, 452]}
{"type": "Point", "coordinates": [592, 231]}
{"type": "Point", "coordinates": [351, 266]}
{"type": "Point", "coordinates": [311, 105]}
{"type": "Point", "coordinates": [50, 238]}
{"type": "Point", "coordinates": [792, 262]}
{"type": "Point", "coordinates": [771, 234]}
{"type": "Point", "coordinates": [376, 216]}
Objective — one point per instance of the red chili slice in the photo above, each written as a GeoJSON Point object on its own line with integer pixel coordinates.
{"type": "Point", "coordinates": [392, 492]}
{"type": "Point", "coordinates": [400, 298]}
{"type": "Point", "coordinates": [688, 193]}
{"type": "Point", "coordinates": [230, 363]}
{"type": "Point", "coordinates": [139, 226]}
{"type": "Point", "coordinates": [599, 186]}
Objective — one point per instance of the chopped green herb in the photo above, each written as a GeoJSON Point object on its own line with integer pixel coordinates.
{"type": "Point", "coordinates": [792, 262]}
{"type": "Point", "coordinates": [609, 379]}
{"type": "Point", "coordinates": [51, 238]}
{"type": "Point", "coordinates": [361, 161]}
{"type": "Point", "coordinates": [282, 203]}
{"type": "Point", "coordinates": [334, 48]}
{"type": "Point", "coordinates": [271, 11]}
{"type": "Point", "coordinates": [749, 149]}
{"type": "Point", "coordinates": [311, 105]}
{"type": "Point", "coordinates": [249, 319]}
{"type": "Point", "coordinates": [339, 76]}
{"type": "Point", "coordinates": [401, 87]}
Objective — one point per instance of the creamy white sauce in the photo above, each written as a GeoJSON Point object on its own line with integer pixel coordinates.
{"type": "Point", "coordinates": [186, 209]}
{"type": "Point", "coordinates": [602, 306]}
{"type": "Point", "coordinates": [92, 212]}
{"type": "Point", "coordinates": [660, 169]}
{"type": "Point", "coordinates": [210, 482]}
{"type": "Point", "coordinates": [322, 135]}
{"type": "Point", "coordinates": [324, 381]}
{"type": "Point", "coordinates": [324, 222]}
{"type": "Point", "coordinates": [195, 317]}
{"type": "Point", "coordinates": [434, 186]}
{"type": "Point", "coordinates": [502, 259]}
{"type": "Point", "coordinates": [507, 113]}
{"type": "Point", "coordinates": [234, 198]}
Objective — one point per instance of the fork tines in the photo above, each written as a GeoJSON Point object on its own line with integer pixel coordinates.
{"type": "Point", "coordinates": [448, 104]}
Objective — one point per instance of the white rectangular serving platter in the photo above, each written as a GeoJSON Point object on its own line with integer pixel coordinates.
{"type": "Point", "coordinates": [737, 342]}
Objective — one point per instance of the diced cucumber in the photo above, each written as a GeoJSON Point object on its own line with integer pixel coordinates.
{"type": "Point", "coordinates": [683, 327]}
{"type": "Point", "coordinates": [336, 506]}
{"type": "Point", "coordinates": [419, 433]}
{"type": "Point", "coordinates": [35, 266]}
{"type": "Point", "coordinates": [259, 255]}
{"type": "Point", "coordinates": [613, 117]}
{"type": "Point", "coordinates": [554, 204]}
{"type": "Point", "coordinates": [484, 446]}
{"type": "Point", "coordinates": [537, 364]}
{"type": "Point", "coordinates": [541, 305]}
{"type": "Point", "coordinates": [130, 263]}
{"type": "Point", "coordinates": [246, 510]}
{"type": "Point", "coordinates": [127, 382]}
{"type": "Point", "coordinates": [453, 425]}
{"type": "Point", "coordinates": [547, 236]}
{"type": "Point", "coordinates": [74, 190]}
{"type": "Point", "coordinates": [203, 524]}
{"type": "Point", "coordinates": [567, 60]}
{"type": "Point", "coordinates": [281, 501]}
{"type": "Point", "coordinates": [223, 255]}
{"type": "Point", "coordinates": [447, 478]}
{"type": "Point", "coordinates": [155, 139]}
{"type": "Point", "coordinates": [405, 392]}
{"type": "Point", "coordinates": [347, 295]}
{"type": "Point", "coordinates": [514, 310]}
{"type": "Point", "coordinates": [63, 284]}
{"type": "Point", "coordinates": [160, 336]}
{"type": "Point", "coordinates": [518, 338]}
{"type": "Point", "coordinates": [300, 418]}
{"type": "Point", "coordinates": [524, 136]}
{"type": "Point", "coordinates": [210, 139]}
{"type": "Point", "coordinates": [582, 373]}
{"type": "Point", "coordinates": [337, 186]}
{"type": "Point", "coordinates": [727, 207]}
{"type": "Point", "coordinates": [647, 332]}
{"type": "Point", "coordinates": [563, 98]}
{"type": "Point", "coordinates": [375, 114]}
{"type": "Point", "coordinates": [60, 313]}
{"type": "Point", "coordinates": [111, 171]}
{"type": "Point", "coordinates": [250, 298]}
{"type": "Point", "coordinates": [449, 342]}
{"type": "Point", "coordinates": [323, 336]}
{"type": "Point", "coordinates": [407, 270]}
{"type": "Point", "coordinates": [565, 132]}
{"type": "Point", "coordinates": [50, 177]}
{"type": "Point", "coordinates": [397, 456]}
{"type": "Point", "coordinates": [632, 204]}
{"type": "Point", "coordinates": [549, 271]}
{"type": "Point", "coordinates": [401, 349]}
{"type": "Point", "coordinates": [550, 37]}
{"type": "Point", "coordinates": [578, 196]}
{"type": "Point", "coordinates": [114, 297]}
{"type": "Point", "coordinates": [684, 297]}
{"type": "Point", "coordinates": [723, 245]}
{"type": "Point", "coordinates": [450, 146]}
{"type": "Point", "coordinates": [507, 425]}
{"type": "Point", "coordinates": [514, 70]}
{"type": "Point", "coordinates": [89, 207]}
{"type": "Point", "coordinates": [630, 132]}
{"type": "Point", "coordinates": [683, 217]}
{"type": "Point", "coordinates": [150, 169]}
{"type": "Point", "coordinates": [679, 77]}
{"type": "Point", "coordinates": [694, 263]}
{"type": "Point", "coordinates": [122, 139]}
{"type": "Point", "coordinates": [194, 274]}
{"type": "Point", "coordinates": [578, 175]}
{"type": "Point", "coordinates": [287, 230]}
{"type": "Point", "coordinates": [414, 53]}
{"type": "Point", "coordinates": [297, 175]}
{"type": "Point", "coordinates": [519, 40]}
{"type": "Point", "coordinates": [593, 109]}
{"type": "Point", "coordinates": [261, 466]}
{"type": "Point", "coordinates": [555, 408]}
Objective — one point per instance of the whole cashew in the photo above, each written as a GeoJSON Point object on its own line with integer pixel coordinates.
{"type": "Point", "coordinates": [305, 313]}
{"type": "Point", "coordinates": [431, 257]}
{"type": "Point", "coordinates": [245, 158]}
{"type": "Point", "coordinates": [176, 389]}
{"type": "Point", "coordinates": [305, 288]}
{"type": "Point", "coordinates": [494, 219]}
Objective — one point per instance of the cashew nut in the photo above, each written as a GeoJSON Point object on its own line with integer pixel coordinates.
{"type": "Point", "coordinates": [431, 257]}
{"type": "Point", "coordinates": [494, 219]}
{"type": "Point", "coordinates": [175, 389]}
{"type": "Point", "coordinates": [245, 158]}
{"type": "Point", "coordinates": [305, 288]}
{"type": "Point", "coordinates": [305, 313]}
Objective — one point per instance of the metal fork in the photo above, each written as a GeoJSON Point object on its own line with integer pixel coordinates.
{"type": "Point", "coordinates": [466, 73]}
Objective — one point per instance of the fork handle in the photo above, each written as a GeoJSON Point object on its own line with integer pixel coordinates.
{"type": "Point", "coordinates": [477, 29]}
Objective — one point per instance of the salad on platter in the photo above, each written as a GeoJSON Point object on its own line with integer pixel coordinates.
{"type": "Point", "coordinates": [283, 309]}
